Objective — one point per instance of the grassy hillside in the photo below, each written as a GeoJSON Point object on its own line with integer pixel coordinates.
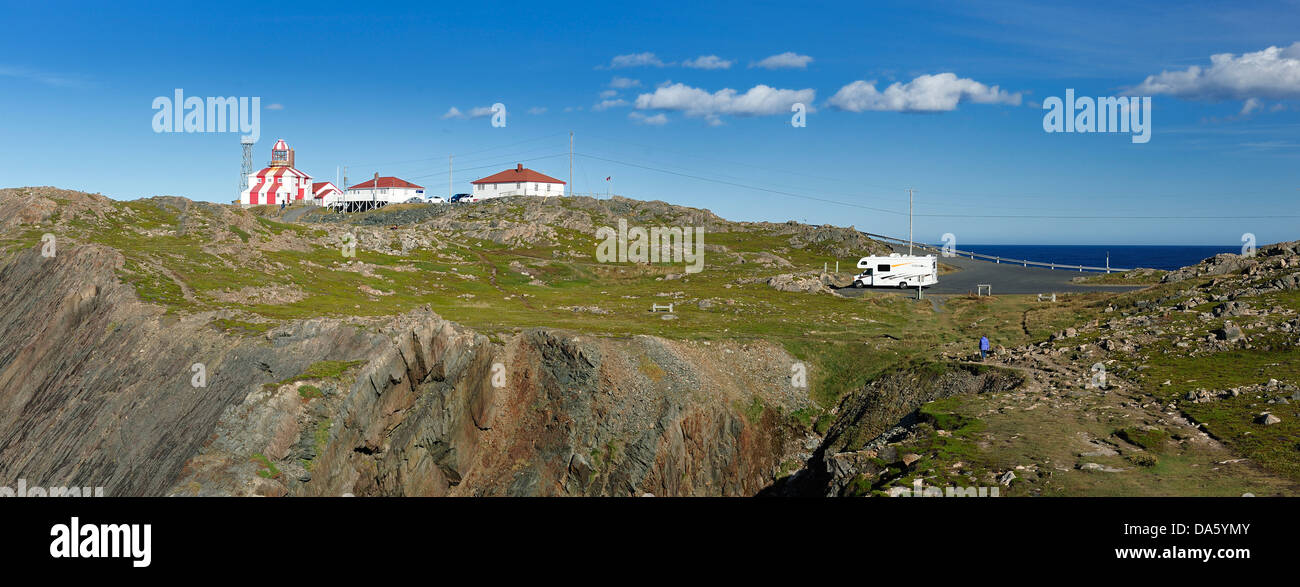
{"type": "Point", "coordinates": [505, 265]}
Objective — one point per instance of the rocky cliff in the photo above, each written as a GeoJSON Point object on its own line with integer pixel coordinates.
{"type": "Point", "coordinates": [99, 388]}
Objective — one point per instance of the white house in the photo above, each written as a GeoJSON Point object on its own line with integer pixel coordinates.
{"type": "Point", "coordinates": [516, 182]}
{"type": "Point", "coordinates": [324, 193]}
{"type": "Point", "coordinates": [378, 192]}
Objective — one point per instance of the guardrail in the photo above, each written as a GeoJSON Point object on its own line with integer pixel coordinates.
{"type": "Point", "coordinates": [995, 259]}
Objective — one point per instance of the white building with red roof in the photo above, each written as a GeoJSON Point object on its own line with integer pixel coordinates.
{"type": "Point", "coordinates": [378, 192]}
{"type": "Point", "coordinates": [519, 181]}
{"type": "Point", "coordinates": [326, 194]}
{"type": "Point", "coordinates": [279, 182]}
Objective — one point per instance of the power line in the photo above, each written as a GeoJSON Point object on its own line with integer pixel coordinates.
{"type": "Point", "coordinates": [490, 165]}
{"type": "Point", "coordinates": [485, 160]}
{"type": "Point", "coordinates": [886, 211]}
{"type": "Point", "coordinates": [740, 185]}
{"type": "Point", "coordinates": [937, 193]}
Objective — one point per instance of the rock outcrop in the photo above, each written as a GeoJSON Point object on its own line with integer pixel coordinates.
{"type": "Point", "coordinates": [98, 388]}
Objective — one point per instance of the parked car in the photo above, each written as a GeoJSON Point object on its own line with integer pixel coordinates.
{"type": "Point", "coordinates": [437, 200]}
{"type": "Point", "coordinates": [460, 198]}
{"type": "Point", "coordinates": [414, 200]}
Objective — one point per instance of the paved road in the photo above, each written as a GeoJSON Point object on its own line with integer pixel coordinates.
{"type": "Point", "coordinates": [293, 213]}
{"type": "Point", "coordinates": [1005, 279]}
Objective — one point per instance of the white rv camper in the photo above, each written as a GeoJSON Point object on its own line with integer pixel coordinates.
{"type": "Point", "coordinates": [897, 271]}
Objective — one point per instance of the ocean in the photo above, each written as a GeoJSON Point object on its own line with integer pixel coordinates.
{"type": "Point", "coordinates": [1168, 257]}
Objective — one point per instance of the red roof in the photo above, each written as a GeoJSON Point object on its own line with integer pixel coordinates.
{"type": "Point", "coordinates": [386, 182]}
{"type": "Point", "coordinates": [320, 190]}
{"type": "Point", "coordinates": [519, 173]}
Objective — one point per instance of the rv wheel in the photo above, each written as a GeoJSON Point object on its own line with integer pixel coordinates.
{"type": "Point", "coordinates": [902, 285]}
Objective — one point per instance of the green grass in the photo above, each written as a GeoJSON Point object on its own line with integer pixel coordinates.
{"type": "Point", "coordinates": [267, 469]}
{"type": "Point", "coordinates": [1133, 277]}
{"type": "Point", "coordinates": [1153, 440]}
{"type": "Point", "coordinates": [241, 327]}
{"type": "Point", "coordinates": [1232, 419]}
{"type": "Point", "coordinates": [318, 370]}
{"type": "Point", "coordinates": [308, 391]}
{"type": "Point", "coordinates": [753, 411]}
{"type": "Point", "coordinates": [936, 451]}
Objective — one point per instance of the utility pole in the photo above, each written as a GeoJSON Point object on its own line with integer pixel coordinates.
{"type": "Point", "coordinates": [909, 221]}
{"type": "Point", "coordinates": [449, 178]}
{"type": "Point", "coordinates": [570, 163]}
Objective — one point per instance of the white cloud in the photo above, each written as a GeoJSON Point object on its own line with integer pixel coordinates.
{"type": "Point", "coordinates": [707, 62]}
{"type": "Point", "coordinates": [609, 93]}
{"type": "Point", "coordinates": [1271, 73]}
{"type": "Point", "coordinates": [926, 93]}
{"type": "Point", "coordinates": [646, 59]}
{"type": "Point", "coordinates": [537, 110]}
{"type": "Point", "coordinates": [757, 101]}
{"type": "Point", "coordinates": [479, 112]}
{"type": "Point", "coordinates": [1251, 105]}
{"type": "Point", "coordinates": [607, 104]}
{"type": "Point", "coordinates": [787, 60]}
{"type": "Point", "coordinates": [656, 120]}
{"type": "Point", "coordinates": [623, 83]}
{"type": "Point", "coordinates": [44, 77]}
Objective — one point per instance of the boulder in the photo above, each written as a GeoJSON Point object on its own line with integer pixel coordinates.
{"type": "Point", "coordinates": [1267, 419]}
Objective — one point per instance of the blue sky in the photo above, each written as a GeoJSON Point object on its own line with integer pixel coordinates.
{"type": "Point", "coordinates": [371, 87]}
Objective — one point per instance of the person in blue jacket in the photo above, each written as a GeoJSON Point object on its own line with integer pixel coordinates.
{"type": "Point", "coordinates": [984, 347]}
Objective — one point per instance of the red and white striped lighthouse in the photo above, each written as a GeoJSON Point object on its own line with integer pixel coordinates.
{"type": "Point", "coordinates": [279, 182]}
